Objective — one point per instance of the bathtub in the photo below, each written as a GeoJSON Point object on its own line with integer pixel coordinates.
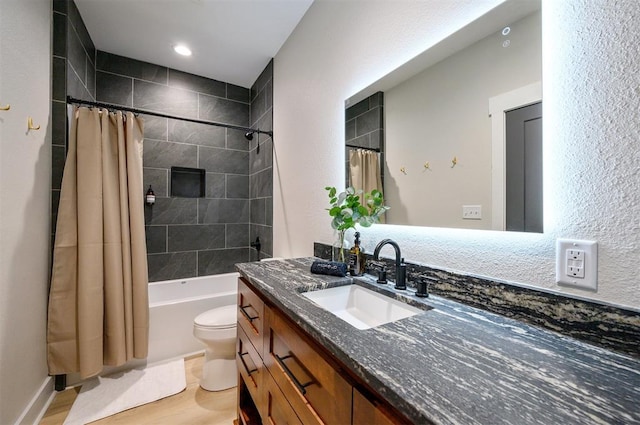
{"type": "Point", "coordinates": [173, 304]}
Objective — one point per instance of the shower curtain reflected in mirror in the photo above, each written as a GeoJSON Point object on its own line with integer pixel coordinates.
{"type": "Point", "coordinates": [98, 300]}
{"type": "Point", "coordinates": [364, 172]}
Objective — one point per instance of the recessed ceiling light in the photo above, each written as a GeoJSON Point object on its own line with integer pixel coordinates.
{"type": "Point", "coordinates": [506, 30]}
{"type": "Point", "coordinates": [181, 49]}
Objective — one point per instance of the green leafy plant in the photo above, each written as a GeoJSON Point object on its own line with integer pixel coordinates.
{"type": "Point", "coordinates": [347, 211]}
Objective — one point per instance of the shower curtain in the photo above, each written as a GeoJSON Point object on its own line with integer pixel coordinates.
{"type": "Point", "coordinates": [98, 300]}
{"type": "Point", "coordinates": [364, 171]}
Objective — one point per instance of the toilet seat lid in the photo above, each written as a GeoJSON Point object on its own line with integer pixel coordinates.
{"type": "Point", "coordinates": [219, 318]}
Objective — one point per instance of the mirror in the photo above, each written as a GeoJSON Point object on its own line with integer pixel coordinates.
{"type": "Point", "coordinates": [458, 128]}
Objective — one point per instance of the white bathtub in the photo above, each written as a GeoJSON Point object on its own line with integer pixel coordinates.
{"type": "Point", "coordinates": [173, 304]}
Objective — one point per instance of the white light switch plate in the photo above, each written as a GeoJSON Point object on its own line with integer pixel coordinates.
{"type": "Point", "coordinates": [577, 263]}
{"type": "Point", "coordinates": [472, 212]}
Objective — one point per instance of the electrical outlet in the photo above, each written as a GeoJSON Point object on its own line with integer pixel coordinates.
{"type": "Point", "coordinates": [577, 263]}
{"type": "Point", "coordinates": [472, 212]}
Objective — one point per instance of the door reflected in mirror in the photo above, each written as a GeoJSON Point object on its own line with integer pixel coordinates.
{"type": "Point", "coordinates": [455, 148]}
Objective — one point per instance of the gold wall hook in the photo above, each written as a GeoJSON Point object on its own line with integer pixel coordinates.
{"type": "Point", "coordinates": [5, 108]}
{"type": "Point", "coordinates": [403, 170]}
{"type": "Point", "coordinates": [427, 166]}
{"type": "Point", "coordinates": [30, 125]}
{"type": "Point", "coordinates": [454, 161]}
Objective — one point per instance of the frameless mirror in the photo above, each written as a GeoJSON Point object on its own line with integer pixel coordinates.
{"type": "Point", "coordinates": [458, 129]}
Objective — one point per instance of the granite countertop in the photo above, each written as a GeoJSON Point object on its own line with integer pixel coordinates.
{"type": "Point", "coordinates": [456, 364]}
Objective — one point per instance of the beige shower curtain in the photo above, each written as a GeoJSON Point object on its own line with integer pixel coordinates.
{"type": "Point", "coordinates": [364, 171]}
{"type": "Point", "coordinates": [98, 301]}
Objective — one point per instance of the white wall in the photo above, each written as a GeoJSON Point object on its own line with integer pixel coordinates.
{"type": "Point", "coordinates": [591, 134]}
{"type": "Point", "coordinates": [442, 113]}
{"type": "Point", "coordinates": [25, 183]}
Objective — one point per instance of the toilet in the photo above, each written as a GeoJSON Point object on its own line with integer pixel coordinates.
{"type": "Point", "coordinates": [217, 330]}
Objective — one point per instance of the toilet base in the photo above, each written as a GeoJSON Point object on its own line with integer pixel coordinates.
{"type": "Point", "coordinates": [219, 371]}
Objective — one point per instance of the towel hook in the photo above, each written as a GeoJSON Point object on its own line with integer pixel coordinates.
{"type": "Point", "coordinates": [427, 166]}
{"type": "Point", "coordinates": [454, 161]}
{"type": "Point", "coordinates": [5, 108]}
{"type": "Point", "coordinates": [30, 125]}
{"type": "Point", "coordinates": [403, 170]}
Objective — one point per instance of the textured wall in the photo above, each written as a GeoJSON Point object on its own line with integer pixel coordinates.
{"type": "Point", "coordinates": [25, 170]}
{"type": "Point", "coordinates": [590, 89]}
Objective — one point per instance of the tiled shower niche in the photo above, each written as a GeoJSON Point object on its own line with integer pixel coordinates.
{"type": "Point", "coordinates": [186, 237]}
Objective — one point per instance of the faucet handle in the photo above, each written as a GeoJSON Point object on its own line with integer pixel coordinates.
{"type": "Point", "coordinates": [381, 268]}
{"type": "Point", "coordinates": [401, 276]}
{"type": "Point", "coordinates": [422, 284]}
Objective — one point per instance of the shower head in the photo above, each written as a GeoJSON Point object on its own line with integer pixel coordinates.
{"type": "Point", "coordinates": [249, 135]}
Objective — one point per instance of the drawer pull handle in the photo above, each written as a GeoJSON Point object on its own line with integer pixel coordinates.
{"type": "Point", "coordinates": [301, 387]}
{"type": "Point", "coordinates": [244, 312]}
{"type": "Point", "coordinates": [245, 364]}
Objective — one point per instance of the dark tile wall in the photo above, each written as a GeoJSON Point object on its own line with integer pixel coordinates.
{"type": "Point", "coordinates": [364, 127]}
{"type": "Point", "coordinates": [73, 64]}
{"type": "Point", "coordinates": [185, 236]}
{"type": "Point", "coordinates": [261, 164]}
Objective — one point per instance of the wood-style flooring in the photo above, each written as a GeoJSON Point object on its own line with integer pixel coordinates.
{"type": "Point", "coordinates": [193, 406]}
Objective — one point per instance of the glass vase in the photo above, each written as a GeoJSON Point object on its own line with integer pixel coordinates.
{"type": "Point", "coordinates": [338, 250]}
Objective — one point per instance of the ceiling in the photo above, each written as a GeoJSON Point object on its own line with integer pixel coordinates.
{"type": "Point", "coordinates": [231, 40]}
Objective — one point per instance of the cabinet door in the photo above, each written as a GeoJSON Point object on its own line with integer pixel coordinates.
{"type": "Point", "coordinates": [251, 369]}
{"type": "Point", "coordinates": [315, 390]}
{"type": "Point", "coordinates": [247, 411]}
{"type": "Point", "coordinates": [365, 412]}
{"type": "Point", "coordinates": [251, 315]}
{"type": "Point", "coordinates": [277, 410]}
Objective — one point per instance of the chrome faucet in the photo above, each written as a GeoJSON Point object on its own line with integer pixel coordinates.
{"type": "Point", "coordinates": [401, 268]}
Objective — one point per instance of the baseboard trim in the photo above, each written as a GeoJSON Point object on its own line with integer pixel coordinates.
{"type": "Point", "coordinates": [37, 407]}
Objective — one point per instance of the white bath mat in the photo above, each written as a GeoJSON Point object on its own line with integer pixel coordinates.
{"type": "Point", "coordinates": [107, 395]}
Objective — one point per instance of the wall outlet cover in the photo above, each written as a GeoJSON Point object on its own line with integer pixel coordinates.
{"type": "Point", "coordinates": [577, 263]}
{"type": "Point", "coordinates": [472, 212]}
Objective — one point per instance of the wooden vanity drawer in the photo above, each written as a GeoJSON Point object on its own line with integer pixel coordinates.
{"type": "Point", "coordinates": [250, 367]}
{"type": "Point", "coordinates": [251, 315]}
{"type": "Point", "coordinates": [367, 412]}
{"type": "Point", "coordinates": [277, 411]}
{"type": "Point", "coordinates": [315, 390]}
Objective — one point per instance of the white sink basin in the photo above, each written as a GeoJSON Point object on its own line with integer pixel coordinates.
{"type": "Point", "coordinates": [361, 307]}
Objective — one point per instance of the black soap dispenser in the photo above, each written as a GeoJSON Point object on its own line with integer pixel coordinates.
{"type": "Point", "coordinates": [150, 197]}
{"type": "Point", "coordinates": [356, 257]}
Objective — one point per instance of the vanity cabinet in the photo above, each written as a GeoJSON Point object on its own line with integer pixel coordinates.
{"type": "Point", "coordinates": [285, 377]}
{"type": "Point", "coordinates": [277, 409]}
{"type": "Point", "coordinates": [313, 387]}
{"type": "Point", "coordinates": [250, 367]}
{"type": "Point", "coordinates": [367, 412]}
{"type": "Point", "coordinates": [249, 349]}
{"type": "Point", "coordinates": [251, 315]}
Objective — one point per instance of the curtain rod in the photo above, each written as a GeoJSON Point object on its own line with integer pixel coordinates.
{"type": "Point", "coordinates": [161, 115]}
{"type": "Point", "coordinates": [363, 148]}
